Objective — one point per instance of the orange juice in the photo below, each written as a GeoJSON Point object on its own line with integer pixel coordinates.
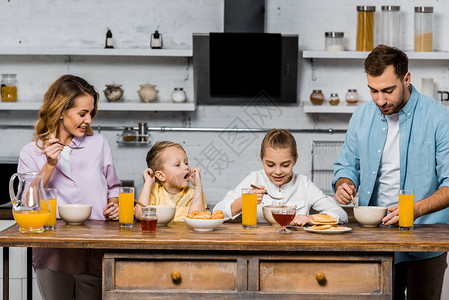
{"type": "Point", "coordinates": [406, 210]}
{"type": "Point", "coordinates": [31, 220]}
{"type": "Point", "coordinates": [126, 209]}
{"type": "Point", "coordinates": [52, 220]}
{"type": "Point", "coordinates": [249, 211]}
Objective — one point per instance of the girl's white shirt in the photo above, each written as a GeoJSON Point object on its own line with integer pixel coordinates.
{"type": "Point", "coordinates": [299, 192]}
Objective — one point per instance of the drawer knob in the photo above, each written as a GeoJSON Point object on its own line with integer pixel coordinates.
{"type": "Point", "coordinates": [176, 276]}
{"type": "Point", "coordinates": [319, 276]}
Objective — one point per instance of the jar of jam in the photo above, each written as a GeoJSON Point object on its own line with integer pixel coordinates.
{"type": "Point", "coordinates": [9, 88]}
{"type": "Point", "coordinates": [317, 97]}
{"type": "Point", "coordinates": [334, 100]}
{"type": "Point", "coordinates": [148, 221]}
{"type": "Point", "coordinates": [352, 96]}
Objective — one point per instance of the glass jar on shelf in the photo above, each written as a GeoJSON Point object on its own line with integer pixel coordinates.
{"type": "Point", "coordinates": [9, 88]}
{"type": "Point", "coordinates": [317, 97]}
{"type": "Point", "coordinates": [365, 28]}
{"type": "Point", "coordinates": [334, 41]}
{"type": "Point", "coordinates": [352, 97]}
{"type": "Point", "coordinates": [333, 99]}
{"type": "Point", "coordinates": [391, 26]}
{"type": "Point", "coordinates": [129, 134]}
{"type": "Point", "coordinates": [424, 29]}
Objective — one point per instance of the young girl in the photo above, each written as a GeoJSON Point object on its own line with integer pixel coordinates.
{"type": "Point", "coordinates": [167, 162]}
{"type": "Point", "coordinates": [278, 154]}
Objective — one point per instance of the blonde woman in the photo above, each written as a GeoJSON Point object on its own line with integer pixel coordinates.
{"type": "Point", "coordinates": [79, 165]}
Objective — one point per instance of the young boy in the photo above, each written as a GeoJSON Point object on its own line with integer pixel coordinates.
{"type": "Point", "coordinates": [167, 162]}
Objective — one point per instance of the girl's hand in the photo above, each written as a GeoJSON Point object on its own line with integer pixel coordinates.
{"type": "Point", "coordinates": [260, 192]}
{"type": "Point", "coordinates": [195, 177]}
{"type": "Point", "coordinates": [148, 176]}
{"type": "Point", "coordinates": [111, 211]}
{"type": "Point", "coordinates": [302, 220]}
{"type": "Point", "coordinates": [52, 150]}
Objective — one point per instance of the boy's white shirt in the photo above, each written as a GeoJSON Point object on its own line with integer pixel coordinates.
{"type": "Point", "coordinates": [299, 192]}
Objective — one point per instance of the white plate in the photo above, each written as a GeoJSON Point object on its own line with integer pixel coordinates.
{"type": "Point", "coordinates": [345, 229]}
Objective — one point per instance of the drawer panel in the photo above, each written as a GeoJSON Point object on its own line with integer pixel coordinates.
{"type": "Point", "coordinates": [340, 276]}
{"type": "Point", "coordinates": [156, 275]}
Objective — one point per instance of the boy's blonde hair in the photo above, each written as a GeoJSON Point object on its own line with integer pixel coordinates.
{"type": "Point", "coordinates": [279, 139]}
{"type": "Point", "coordinates": [154, 156]}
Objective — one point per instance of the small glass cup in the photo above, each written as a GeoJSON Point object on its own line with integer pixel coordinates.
{"type": "Point", "coordinates": [126, 207]}
{"type": "Point", "coordinates": [52, 196]}
{"type": "Point", "coordinates": [249, 208]}
{"type": "Point", "coordinates": [406, 209]}
{"type": "Point", "coordinates": [283, 216]}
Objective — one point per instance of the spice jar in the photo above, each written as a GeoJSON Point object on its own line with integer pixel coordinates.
{"type": "Point", "coordinates": [9, 88]}
{"type": "Point", "coordinates": [334, 41]}
{"type": "Point", "coordinates": [178, 95]}
{"type": "Point", "coordinates": [424, 29]}
{"type": "Point", "coordinates": [365, 28]}
{"type": "Point", "coordinates": [317, 97]}
{"type": "Point", "coordinates": [334, 100]}
{"type": "Point", "coordinates": [148, 220]}
{"type": "Point", "coordinates": [352, 96]}
{"type": "Point", "coordinates": [128, 134]}
{"type": "Point", "coordinates": [391, 23]}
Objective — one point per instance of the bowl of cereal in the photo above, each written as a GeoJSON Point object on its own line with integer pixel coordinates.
{"type": "Point", "coordinates": [165, 214]}
{"type": "Point", "coordinates": [204, 221]}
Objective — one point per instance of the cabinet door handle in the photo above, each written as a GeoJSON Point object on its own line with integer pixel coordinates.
{"type": "Point", "coordinates": [320, 277]}
{"type": "Point", "coordinates": [176, 276]}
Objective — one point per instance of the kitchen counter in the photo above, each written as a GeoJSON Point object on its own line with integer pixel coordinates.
{"type": "Point", "coordinates": [241, 263]}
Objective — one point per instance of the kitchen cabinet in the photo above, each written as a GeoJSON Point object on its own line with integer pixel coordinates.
{"type": "Point", "coordinates": [343, 107]}
{"type": "Point", "coordinates": [257, 274]}
{"type": "Point", "coordinates": [180, 58]}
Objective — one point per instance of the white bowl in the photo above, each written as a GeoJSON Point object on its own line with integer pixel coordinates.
{"type": "Point", "coordinates": [369, 216]}
{"type": "Point", "coordinates": [164, 214]}
{"type": "Point", "coordinates": [269, 216]}
{"type": "Point", "coordinates": [75, 214]}
{"type": "Point", "coordinates": [203, 225]}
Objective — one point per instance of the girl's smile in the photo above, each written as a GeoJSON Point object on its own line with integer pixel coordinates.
{"type": "Point", "coordinates": [278, 165]}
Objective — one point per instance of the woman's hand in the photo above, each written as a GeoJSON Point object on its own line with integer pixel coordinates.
{"type": "Point", "coordinates": [195, 177]}
{"type": "Point", "coordinates": [302, 220]}
{"type": "Point", "coordinates": [52, 150]}
{"type": "Point", "coordinates": [148, 176]}
{"type": "Point", "coordinates": [111, 211]}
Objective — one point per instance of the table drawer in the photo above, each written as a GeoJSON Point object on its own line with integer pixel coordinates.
{"type": "Point", "coordinates": [156, 274]}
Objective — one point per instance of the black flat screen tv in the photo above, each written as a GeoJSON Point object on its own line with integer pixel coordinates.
{"type": "Point", "coordinates": [235, 68]}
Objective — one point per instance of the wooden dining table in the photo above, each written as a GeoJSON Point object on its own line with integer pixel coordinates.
{"type": "Point", "coordinates": [178, 262]}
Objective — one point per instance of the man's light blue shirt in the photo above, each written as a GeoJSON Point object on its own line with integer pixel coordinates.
{"type": "Point", "coordinates": [424, 153]}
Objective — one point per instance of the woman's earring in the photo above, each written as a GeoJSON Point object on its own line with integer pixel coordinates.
{"type": "Point", "coordinates": [60, 118]}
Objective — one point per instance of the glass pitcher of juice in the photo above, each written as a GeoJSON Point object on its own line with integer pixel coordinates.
{"type": "Point", "coordinates": [30, 205]}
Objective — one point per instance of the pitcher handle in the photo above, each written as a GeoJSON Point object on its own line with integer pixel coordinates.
{"type": "Point", "coordinates": [12, 194]}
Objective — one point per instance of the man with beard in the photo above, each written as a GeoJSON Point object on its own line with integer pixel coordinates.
{"type": "Point", "coordinates": [400, 140]}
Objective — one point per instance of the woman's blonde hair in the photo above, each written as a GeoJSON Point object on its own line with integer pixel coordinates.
{"type": "Point", "coordinates": [279, 139]}
{"type": "Point", "coordinates": [61, 96]}
{"type": "Point", "coordinates": [154, 161]}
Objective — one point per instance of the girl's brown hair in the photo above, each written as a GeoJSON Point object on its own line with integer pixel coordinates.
{"type": "Point", "coordinates": [279, 139]}
{"type": "Point", "coordinates": [61, 96]}
{"type": "Point", "coordinates": [154, 161]}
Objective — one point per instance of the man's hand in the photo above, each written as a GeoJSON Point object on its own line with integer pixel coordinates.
{"type": "Point", "coordinates": [345, 193]}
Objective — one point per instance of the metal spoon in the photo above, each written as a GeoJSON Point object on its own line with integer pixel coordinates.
{"type": "Point", "coordinates": [257, 188]}
{"type": "Point", "coordinates": [72, 147]}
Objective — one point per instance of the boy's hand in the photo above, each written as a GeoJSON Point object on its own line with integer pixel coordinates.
{"type": "Point", "coordinates": [148, 176]}
{"type": "Point", "coordinates": [195, 177]}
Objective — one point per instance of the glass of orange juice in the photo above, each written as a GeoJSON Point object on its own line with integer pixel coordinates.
{"type": "Point", "coordinates": [249, 208]}
{"type": "Point", "coordinates": [406, 209]}
{"type": "Point", "coordinates": [51, 196]}
{"type": "Point", "coordinates": [126, 207]}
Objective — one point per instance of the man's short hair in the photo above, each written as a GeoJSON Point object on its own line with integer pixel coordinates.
{"type": "Point", "coordinates": [383, 56]}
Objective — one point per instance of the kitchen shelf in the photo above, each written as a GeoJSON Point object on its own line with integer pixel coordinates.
{"type": "Point", "coordinates": [104, 106]}
{"type": "Point", "coordinates": [96, 52]}
{"type": "Point", "coordinates": [342, 108]}
{"type": "Point", "coordinates": [436, 55]}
